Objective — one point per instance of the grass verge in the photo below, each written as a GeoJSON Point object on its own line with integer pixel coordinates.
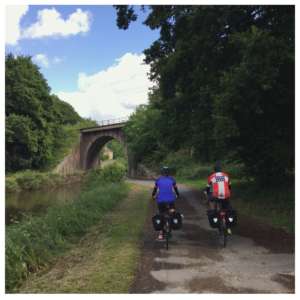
{"type": "Point", "coordinates": [33, 243]}
{"type": "Point", "coordinates": [106, 258]}
{"type": "Point", "coordinates": [273, 205]}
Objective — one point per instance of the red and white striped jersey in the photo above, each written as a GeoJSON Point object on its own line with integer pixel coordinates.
{"type": "Point", "coordinates": [219, 183]}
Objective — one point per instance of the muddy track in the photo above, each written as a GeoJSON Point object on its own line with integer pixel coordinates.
{"type": "Point", "coordinates": [258, 258]}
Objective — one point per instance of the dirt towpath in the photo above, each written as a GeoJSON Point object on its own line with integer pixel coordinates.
{"type": "Point", "coordinates": [258, 258]}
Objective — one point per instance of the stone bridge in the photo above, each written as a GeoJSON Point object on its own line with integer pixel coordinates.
{"type": "Point", "coordinates": [92, 140]}
{"type": "Point", "coordinates": [86, 155]}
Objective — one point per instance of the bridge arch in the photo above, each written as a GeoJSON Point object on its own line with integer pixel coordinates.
{"type": "Point", "coordinates": [94, 138]}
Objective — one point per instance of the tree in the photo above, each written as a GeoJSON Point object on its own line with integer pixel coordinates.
{"type": "Point", "coordinates": [224, 74]}
{"type": "Point", "coordinates": [34, 118]}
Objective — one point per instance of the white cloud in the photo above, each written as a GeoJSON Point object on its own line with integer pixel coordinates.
{"type": "Point", "coordinates": [44, 61]}
{"type": "Point", "coordinates": [57, 60]}
{"type": "Point", "coordinates": [14, 14]}
{"type": "Point", "coordinates": [51, 23]}
{"type": "Point", "coordinates": [113, 92]}
{"type": "Point", "coordinates": [41, 59]}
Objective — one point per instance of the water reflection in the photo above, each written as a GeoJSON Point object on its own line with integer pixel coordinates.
{"type": "Point", "coordinates": [17, 205]}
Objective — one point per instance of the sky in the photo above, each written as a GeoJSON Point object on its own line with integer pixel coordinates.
{"type": "Point", "coordinates": [87, 61]}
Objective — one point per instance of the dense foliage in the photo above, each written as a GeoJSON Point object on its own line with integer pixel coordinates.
{"type": "Point", "coordinates": [225, 86]}
{"type": "Point", "coordinates": [34, 118]}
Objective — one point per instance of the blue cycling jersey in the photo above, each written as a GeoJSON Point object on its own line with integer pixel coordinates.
{"type": "Point", "coordinates": [165, 186]}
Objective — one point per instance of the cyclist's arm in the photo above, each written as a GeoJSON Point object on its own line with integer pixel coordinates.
{"type": "Point", "coordinates": [154, 191]}
{"type": "Point", "coordinates": [208, 187]}
{"type": "Point", "coordinates": [229, 183]}
{"type": "Point", "coordinates": [209, 184]}
{"type": "Point", "coordinates": [176, 189]}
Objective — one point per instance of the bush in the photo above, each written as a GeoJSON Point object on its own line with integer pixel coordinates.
{"type": "Point", "coordinates": [183, 165]}
{"type": "Point", "coordinates": [30, 180]}
{"type": "Point", "coordinates": [114, 172]}
{"type": "Point", "coordinates": [194, 171]}
{"type": "Point", "coordinates": [34, 180]}
{"type": "Point", "coordinates": [177, 160]}
{"type": "Point", "coordinates": [11, 185]}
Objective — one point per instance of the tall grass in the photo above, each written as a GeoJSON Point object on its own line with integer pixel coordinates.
{"type": "Point", "coordinates": [34, 180]}
{"type": "Point", "coordinates": [274, 205]}
{"type": "Point", "coordinates": [34, 242]}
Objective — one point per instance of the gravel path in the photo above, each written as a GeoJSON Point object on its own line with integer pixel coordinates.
{"type": "Point", "coordinates": [257, 259]}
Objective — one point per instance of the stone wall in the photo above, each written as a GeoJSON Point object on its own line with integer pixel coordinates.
{"type": "Point", "coordinates": [70, 164]}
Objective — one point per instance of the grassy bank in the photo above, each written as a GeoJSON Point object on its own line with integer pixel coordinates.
{"type": "Point", "coordinates": [106, 258]}
{"type": "Point", "coordinates": [275, 205]}
{"type": "Point", "coordinates": [33, 243]}
{"type": "Point", "coordinates": [34, 180]}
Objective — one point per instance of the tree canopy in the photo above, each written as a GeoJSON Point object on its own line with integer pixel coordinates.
{"type": "Point", "coordinates": [225, 84]}
{"type": "Point", "coordinates": [33, 117]}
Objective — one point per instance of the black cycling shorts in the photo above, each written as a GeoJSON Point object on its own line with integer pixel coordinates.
{"type": "Point", "coordinates": [164, 206]}
{"type": "Point", "coordinates": [224, 203]}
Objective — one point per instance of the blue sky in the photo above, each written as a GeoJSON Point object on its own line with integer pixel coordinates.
{"type": "Point", "coordinates": [96, 49]}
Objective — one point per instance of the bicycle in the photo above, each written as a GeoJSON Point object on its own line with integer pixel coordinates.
{"type": "Point", "coordinates": [167, 228]}
{"type": "Point", "coordinates": [223, 229]}
{"type": "Point", "coordinates": [224, 219]}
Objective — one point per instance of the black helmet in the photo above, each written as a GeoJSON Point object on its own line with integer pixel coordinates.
{"type": "Point", "coordinates": [165, 171]}
{"type": "Point", "coordinates": [218, 166]}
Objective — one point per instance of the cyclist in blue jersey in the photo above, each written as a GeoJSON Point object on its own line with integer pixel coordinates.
{"type": "Point", "coordinates": [163, 192]}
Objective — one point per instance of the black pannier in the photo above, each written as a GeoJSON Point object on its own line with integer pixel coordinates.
{"type": "Point", "coordinates": [213, 218]}
{"type": "Point", "coordinates": [176, 221]}
{"type": "Point", "coordinates": [231, 218]}
{"type": "Point", "coordinates": [157, 222]}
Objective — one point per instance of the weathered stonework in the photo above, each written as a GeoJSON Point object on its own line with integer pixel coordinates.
{"type": "Point", "coordinates": [94, 138]}
{"type": "Point", "coordinates": [86, 155]}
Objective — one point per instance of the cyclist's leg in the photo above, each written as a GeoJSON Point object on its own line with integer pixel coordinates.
{"type": "Point", "coordinates": [162, 207]}
{"type": "Point", "coordinates": [226, 204]}
{"type": "Point", "coordinates": [211, 202]}
{"type": "Point", "coordinates": [172, 211]}
{"type": "Point", "coordinates": [218, 204]}
{"type": "Point", "coordinates": [172, 207]}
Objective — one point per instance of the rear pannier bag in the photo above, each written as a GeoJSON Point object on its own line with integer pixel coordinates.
{"type": "Point", "coordinates": [213, 218]}
{"type": "Point", "coordinates": [176, 221]}
{"type": "Point", "coordinates": [231, 218]}
{"type": "Point", "coordinates": [157, 222]}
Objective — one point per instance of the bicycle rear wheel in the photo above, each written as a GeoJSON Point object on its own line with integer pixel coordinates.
{"type": "Point", "coordinates": [223, 234]}
{"type": "Point", "coordinates": [167, 242]}
{"type": "Point", "coordinates": [167, 233]}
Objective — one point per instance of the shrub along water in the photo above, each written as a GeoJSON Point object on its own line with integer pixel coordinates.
{"type": "Point", "coordinates": [34, 180]}
{"type": "Point", "coordinates": [33, 243]}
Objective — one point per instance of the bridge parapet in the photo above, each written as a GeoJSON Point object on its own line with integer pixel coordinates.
{"type": "Point", "coordinates": [113, 121]}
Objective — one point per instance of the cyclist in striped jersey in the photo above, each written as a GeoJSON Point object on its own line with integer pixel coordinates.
{"type": "Point", "coordinates": [218, 187]}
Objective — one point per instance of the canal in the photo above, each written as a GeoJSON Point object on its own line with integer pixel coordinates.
{"type": "Point", "coordinates": [26, 203]}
